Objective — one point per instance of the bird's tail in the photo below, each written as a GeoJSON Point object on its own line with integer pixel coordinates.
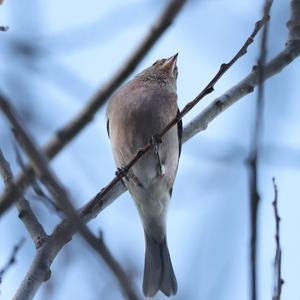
{"type": "Point", "coordinates": [158, 271]}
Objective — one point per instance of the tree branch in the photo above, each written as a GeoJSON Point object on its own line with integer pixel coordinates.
{"type": "Point", "coordinates": [40, 268]}
{"type": "Point", "coordinates": [40, 165]}
{"type": "Point", "coordinates": [72, 128]}
{"type": "Point", "coordinates": [277, 263]}
{"type": "Point", "coordinates": [26, 214]}
{"type": "Point", "coordinates": [254, 196]}
{"type": "Point", "coordinates": [247, 85]}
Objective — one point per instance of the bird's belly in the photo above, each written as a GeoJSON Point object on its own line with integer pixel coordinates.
{"type": "Point", "coordinates": [152, 203]}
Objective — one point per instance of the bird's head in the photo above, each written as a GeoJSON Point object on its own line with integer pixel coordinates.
{"type": "Point", "coordinates": [167, 65]}
{"type": "Point", "coordinates": [163, 71]}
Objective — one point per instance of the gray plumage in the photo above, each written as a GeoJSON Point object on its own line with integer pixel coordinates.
{"type": "Point", "coordinates": [140, 109]}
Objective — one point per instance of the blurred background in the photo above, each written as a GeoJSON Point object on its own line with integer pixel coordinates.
{"type": "Point", "coordinates": [53, 59]}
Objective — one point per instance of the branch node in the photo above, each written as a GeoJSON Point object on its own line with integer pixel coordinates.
{"type": "Point", "coordinates": [40, 240]}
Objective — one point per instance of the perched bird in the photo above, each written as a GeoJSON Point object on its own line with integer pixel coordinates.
{"type": "Point", "coordinates": [135, 114]}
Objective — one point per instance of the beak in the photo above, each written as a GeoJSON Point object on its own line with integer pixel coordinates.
{"type": "Point", "coordinates": [170, 63]}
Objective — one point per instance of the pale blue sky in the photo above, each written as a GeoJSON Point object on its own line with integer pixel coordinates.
{"type": "Point", "coordinates": [82, 45]}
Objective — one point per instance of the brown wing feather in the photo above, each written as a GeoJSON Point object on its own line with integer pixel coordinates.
{"type": "Point", "coordinates": [107, 127]}
{"type": "Point", "coordinates": [179, 126]}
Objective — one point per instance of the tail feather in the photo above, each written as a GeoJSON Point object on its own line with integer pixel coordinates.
{"type": "Point", "coordinates": [158, 271]}
{"type": "Point", "coordinates": [168, 282]}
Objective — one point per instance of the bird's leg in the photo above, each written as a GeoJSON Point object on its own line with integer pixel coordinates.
{"type": "Point", "coordinates": [124, 172]}
{"type": "Point", "coordinates": [155, 140]}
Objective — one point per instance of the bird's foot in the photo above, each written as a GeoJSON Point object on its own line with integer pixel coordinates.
{"type": "Point", "coordinates": [155, 140]}
{"type": "Point", "coordinates": [122, 172]}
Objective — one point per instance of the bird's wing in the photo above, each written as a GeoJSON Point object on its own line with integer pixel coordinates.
{"type": "Point", "coordinates": [107, 127]}
{"type": "Point", "coordinates": [179, 127]}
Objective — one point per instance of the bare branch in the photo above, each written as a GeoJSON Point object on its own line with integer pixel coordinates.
{"type": "Point", "coordinates": [40, 166]}
{"type": "Point", "coordinates": [247, 85]}
{"type": "Point", "coordinates": [277, 263]}
{"type": "Point", "coordinates": [35, 185]}
{"type": "Point", "coordinates": [26, 214]}
{"type": "Point", "coordinates": [72, 128]}
{"type": "Point", "coordinates": [12, 259]}
{"type": "Point", "coordinates": [62, 234]}
{"type": "Point", "coordinates": [253, 157]}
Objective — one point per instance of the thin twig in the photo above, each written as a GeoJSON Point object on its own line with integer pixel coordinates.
{"type": "Point", "coordinates": [26, 214]}
{"type": "Point", "coordinates": [277, 263]}
{"type": "Point", "coordinates": [253, 177]}
{"type": "Point", "coordinates": [12, 259]}
{"type": "Point", "coordinates": [56, 189]}
{"type": "Point", "coordinates": [72, 128]}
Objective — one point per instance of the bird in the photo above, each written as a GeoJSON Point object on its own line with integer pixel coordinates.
{"type": "Point", "coordinates": [136, 114]}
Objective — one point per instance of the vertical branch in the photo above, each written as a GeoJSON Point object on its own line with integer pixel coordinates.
{"type": "Point", "coordinates": [253, 178]}
{"type": "Point", "coordinates": [277, 263]}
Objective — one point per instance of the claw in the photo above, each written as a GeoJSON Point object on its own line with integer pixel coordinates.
{"type": "Point", "coordinates": [122, 172]}
{"type": "Point", "coordinates": [155, 140]}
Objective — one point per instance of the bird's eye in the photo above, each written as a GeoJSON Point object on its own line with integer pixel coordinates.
{"type": "Point", "coordinates": [155, 63]}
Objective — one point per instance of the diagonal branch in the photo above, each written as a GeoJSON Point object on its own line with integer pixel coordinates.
{"type": "Point", "coordinates": [40, 165]}
{"type": "Point", "coordinates": [26, 214]}
{"type": "Point", "coordinates": [72, 128]}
